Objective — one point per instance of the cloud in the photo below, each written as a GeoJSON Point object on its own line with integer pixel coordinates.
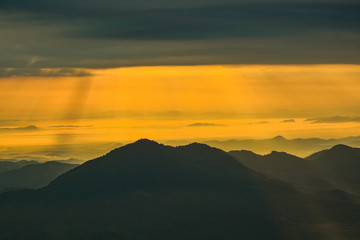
{"type": "Point", "coordinates": [64, 34]}
{"type": "Point", "coordinates": [27, 128]}
{"type": "Point", "coordinates": [260, 122]}
{"type": "Point", "coordinates": [70, 126]}
{"type": "Point", "coordinates": [334, 119]}
{"type": "Point", "coordinates": [37, 72]}
{"type": "Point", "coordinates": [288, 121]}
{"type": "Point", "coordinates": [225, 21]}
{"type": "Point", "coordinates": [199, 124]}
{"type": "Point", "coordinates": [7, 122]}
{"type": "Point", "coordinates": [165, 115]}
{"type": "Point", "coordinates": [183, 115]}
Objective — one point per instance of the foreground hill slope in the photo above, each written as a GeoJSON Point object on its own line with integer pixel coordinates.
{"type": "Point", "coordinates": [146, 190]}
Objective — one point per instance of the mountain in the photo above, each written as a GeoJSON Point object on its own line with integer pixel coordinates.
{"type": "Point", "coordinates": [335, 168]}
{"type": "Point", "coordinates": [32, 175]}
{"type": "Point", "coordinates": [147, 190]}
{"type": "Point", "coordinates": [7, 165]}
{"type": "Point", "coordinates": [300, 146]}
{"type": "Point", "coordinates": [71, 161]}
{"type": "Point", "coordinates": [286, 167]}
{"type": "Point", "coordinates": [340, 165]}
{"type": "Point", "coordinates": [147, 164]}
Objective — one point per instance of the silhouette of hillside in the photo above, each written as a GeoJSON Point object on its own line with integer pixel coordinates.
{"type": "Point", "coordinates": [336, 168]}
{"type": "Point", "coordinates": [32, 175]}
{"type": "Point", "coordinates": [286, 167]}
{"type": "Point", "coordinates": [147, 190]}
{"type": "Point", "coordinates": [147, 164]}
{"type": "Point", "coordinates": [6, 165]}
{"type": "Point", "coordinates": [340, 165]}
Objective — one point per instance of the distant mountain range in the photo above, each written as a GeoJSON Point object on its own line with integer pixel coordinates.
{"type": "Point", "coordinates": [7, 165]}
{"type": "Point", "coordinates": [302, 147]}
{"type": "Point", "coordinates": [26, 174]}
{"type": "Point", "coordinates": [147, 190]}
{"type": "Point", "coordinates": [80, 152]}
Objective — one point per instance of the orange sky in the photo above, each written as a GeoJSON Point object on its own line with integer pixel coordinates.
{"type": "Point", "coordinates": [163, 102]}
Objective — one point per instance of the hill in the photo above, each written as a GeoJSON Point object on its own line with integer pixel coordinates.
{"type": "Point", "coordinates": [335, 168]}
{"type": "Point", "coordinates": [146, 190]}
{"type": "Point", "coordinates": [32, 175]}
{"type": "Point", "coordinates": [339, 165]}
{"type": "Point", "coordinates": [7, 165]}
{"type": "Point", "coordinates": [286, 167]}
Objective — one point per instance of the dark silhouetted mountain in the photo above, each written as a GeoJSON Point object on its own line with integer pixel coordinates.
{"type": "Point", "coordinates": [339, 165]}
{"type": "Point", "coordinates": [33, 175]}
{"type": "Point", "coordinates": [286, 167]}
{"type": "Point", "coordinates": [146, 164]}
{"type": "Point", "coordinates": [147, 191]}
{"type": "Point", "coordinates": [7, 165]}
{"type": "Point", "coordinates": [336, 168]}
{"type": "Point", "coordinates": [245, 155]}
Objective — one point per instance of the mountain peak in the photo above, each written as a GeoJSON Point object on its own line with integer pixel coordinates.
{"type": "Point", "coordinates": [140, 145]}
{"type": "Point", "coordinates": [279, 137]}
{"type": "Point", "coordinates": [146, 164]}
{"type": "Point", "coordinates": [145, 141]}
{"type": "Point", "coordinates": [198, 145]}
{"type": "Point", "coordinates": [280, 155]}
{"type": "Point", "coordinates": [340, 147]}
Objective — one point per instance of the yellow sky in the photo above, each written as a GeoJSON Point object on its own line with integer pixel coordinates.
{"type": "Point", "coordinates": [163, 102]}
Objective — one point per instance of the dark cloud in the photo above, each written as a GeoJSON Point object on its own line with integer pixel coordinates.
{"type": "Point", "coordinates": [288, 121]}
{"type": "Point", "coordinates": [27, 128]}
{"type": "Point", "coordinates": [227, 21]}
{"type": "Point", "coordinates": [108, 7]}
{"type": "Point", "coordinates": [204, 125]}
{"type": "Point", "coordinates": [103, 34]}
{"type": "Point", "coordinates": [36, 72]}
{"type": "Point", "coordinates": [198, 20]}
{"type": "Point", "coordinates": [334, 119]}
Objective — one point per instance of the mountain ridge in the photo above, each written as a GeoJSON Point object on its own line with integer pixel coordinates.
{"type": "Point", "coordinates": [327, 169]}
{"type": "Point", "coordinates": [147, 190]}
{"type": "Point", "coordinates": [32, 175]}
{"type": "Point", "coordinates": [163, 164]}
{"type": "Point", "coordinates": [150, 191]}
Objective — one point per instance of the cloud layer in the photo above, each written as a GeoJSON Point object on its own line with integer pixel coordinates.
{"type": "Point", "coordinates": [199, 124]}
{"type": "Point", "coordinates": [21, 129]}
{"type": "Point", "coordinates": [104, 34]}
{"type": "Point", "coordinates": [31, 72]}
{"type": "Point", "coordinates": [334, 119]}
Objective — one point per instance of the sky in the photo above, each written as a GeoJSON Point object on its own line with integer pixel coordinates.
{"type": "Point", "coordinates": [108, 72]}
